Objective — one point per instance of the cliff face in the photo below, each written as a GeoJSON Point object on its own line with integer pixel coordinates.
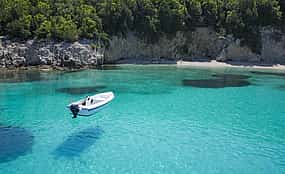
{"type": "Point", "coordinates": [135, 50]}
{"type": "Point", "coordinates": [273, 46]}
{"type": "Point", "coordinates": [71, 55]}
{"type": "Point", "coordinates": [201, 44]}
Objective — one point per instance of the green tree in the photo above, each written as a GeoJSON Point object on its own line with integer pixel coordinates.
{"type": "Point", "coordinates": [89, 28]}
{"type": "Point", "coordinates": [194, 12]}
{"type": "Point", "coordinates": [73, 19]}
{"type": "Point", "coordinates": [37, 20]}
{"type": "Point", "coordinates": [146, 21]}
{"type": "Point", "coordinates": [20, 28]}
{"type": "Point", "coordinates": [209, 12]}
{"type": "Point", "coordinates": [44, 30]}
{"type": "Point", "coordinates": [87, 21]}
{"type": "Point", "coordinates": [16, 20]}
{"type": "Point", "coordinates": [3, 13]}
{"type": "Point", "coordinates": [234, 23]}
{"type": "Point", "coordinates": [116, 16]}
{"type": "Point", "coordinates": [282, 9]}
{"type": "Point", "coordinates": [171, 15]}
{"type": "Point", "coordinates": [269, 12]}
{"type": "Point", "coordinates": [43, 7]}
{"type": "Point", "coordinates": [64, 29]}
{"type": "Point", "coordinates": [16, 9]}
{"type": "Point", "coordinates": [248, 12]}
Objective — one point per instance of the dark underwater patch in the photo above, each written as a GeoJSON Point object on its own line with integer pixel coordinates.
{"type": "Point", "coordinates": [21, 76]}
{"type": "Point", "coordinates": [81, 90]}
{"type": "Point", "coordinates": [14, 142]}
{"type": "Point", "coordinates": [78, 142]}
{"type": "Point", "coordinates": [150, 92]}
{"type": "Point", "coordinates": [268, 73]}
{"type": "Point", "coordinates": [215, 83]}
{"type": "Point", "coordinates": [220, 81]}
{"type": "Point", "coordinates": [2, 109]}
{"type": "Point", "coordinates": [231, 76]}
{"type": "Point", "coordinates": [282, 87]}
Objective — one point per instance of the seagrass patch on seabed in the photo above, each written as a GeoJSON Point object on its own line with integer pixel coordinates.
{"type": "Point", "coordinates": [220, 81]}
{"type": "Point", "coordinates": [14, 142]}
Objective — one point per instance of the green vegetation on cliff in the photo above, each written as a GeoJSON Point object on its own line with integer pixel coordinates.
{"type": "Point", "coordinates": [100, 19]}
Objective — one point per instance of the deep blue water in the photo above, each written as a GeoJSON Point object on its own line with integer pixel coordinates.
{"type": "Point", "coordinates": [164, 119]}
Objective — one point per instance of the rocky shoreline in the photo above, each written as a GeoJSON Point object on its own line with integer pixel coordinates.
{"type": "Point", "coordinates": [200, 45]}
{"type": "Point", "coordinates": [57, 55]}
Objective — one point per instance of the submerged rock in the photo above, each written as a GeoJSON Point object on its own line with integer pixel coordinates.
{"type": "Point", "coordinates": [231, 76]}
{"type": "Point", "coordinates": [81, 90]}
{"type": "Point", "coordinates": [221, 81]}
{"type": "Point", "coordinates": [14, 142]}
{"type": "Point", "coordinates": [215, 83]}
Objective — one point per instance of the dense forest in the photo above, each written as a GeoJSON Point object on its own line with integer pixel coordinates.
{"type": "Point", "coordinates": [99, 19]}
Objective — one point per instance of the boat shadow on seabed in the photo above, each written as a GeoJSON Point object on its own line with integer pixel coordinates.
{"type": "Point", "coordinates": [78, 142]}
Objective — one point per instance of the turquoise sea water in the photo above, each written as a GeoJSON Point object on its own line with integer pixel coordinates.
{"type": "Point", "coordinates": [164, 119]}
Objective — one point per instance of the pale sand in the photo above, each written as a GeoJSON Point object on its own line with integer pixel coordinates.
{"type": "Point", "coordinates": [215, 64]}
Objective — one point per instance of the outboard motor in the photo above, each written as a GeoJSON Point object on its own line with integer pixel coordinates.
{"type": "Point", "coordinates": [74, 109]}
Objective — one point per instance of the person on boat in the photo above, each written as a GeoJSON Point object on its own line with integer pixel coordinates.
{"type": "Point", "coordinates": [88, 101]}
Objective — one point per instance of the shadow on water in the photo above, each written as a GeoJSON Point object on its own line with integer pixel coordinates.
{"type": "Point", "coordinates": [81, 90]}
{"type": "Point", "coordinates": [76, 143]}
{"type": "Point", "coordinates": [220, 81]}
{"type": "Point", "coordinates": [14, 142]}
{"type": "Point", "coordinates": [21, 76]}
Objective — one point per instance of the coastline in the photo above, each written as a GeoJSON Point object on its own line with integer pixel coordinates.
{"type": "Point", "coordinates": [45, 68]}
{"type": "Point", "coordinates": [205, 64]}
{"type": "Point", "coordinates": [242, 65]}
{"type": "Point", "coordinates": [179, 64]}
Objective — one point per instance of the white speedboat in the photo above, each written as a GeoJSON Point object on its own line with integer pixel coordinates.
{"type": "Point", "coordinates": [91, 104]}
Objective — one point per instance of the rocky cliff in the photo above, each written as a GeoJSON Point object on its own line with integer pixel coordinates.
{"type": "Point", "coordinates": [201, 44]}
{"type": "Point", "coordinates": [57, 54]}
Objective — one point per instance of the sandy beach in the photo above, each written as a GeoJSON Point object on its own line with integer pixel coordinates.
{"type": "Point", "coordinates": [215, 64]}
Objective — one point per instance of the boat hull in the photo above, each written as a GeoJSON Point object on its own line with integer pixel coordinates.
{"type": "Point", "coordinates": [89, 112]}
{"type": "Point", "coordinates": [80, 109]}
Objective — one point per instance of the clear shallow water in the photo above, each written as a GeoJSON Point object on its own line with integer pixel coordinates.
{"type": "Point", "coordinates": [156, 124]}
